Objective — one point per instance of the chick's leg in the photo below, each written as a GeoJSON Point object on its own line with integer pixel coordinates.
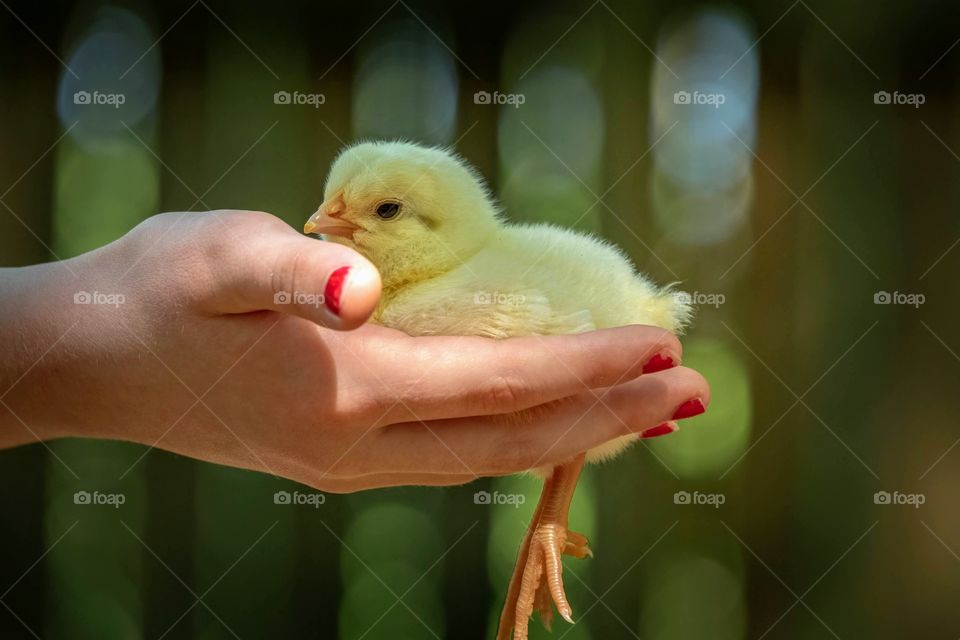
{"type": "Point", "coordinates": [538, 576]}
{"type": "Point", "coordinates": [549, 541]}
{"type": "Point", "coordinates": [505, 627]}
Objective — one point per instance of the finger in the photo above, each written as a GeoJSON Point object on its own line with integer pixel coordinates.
{"type": "Point", "coordinates": [380, 480]}
{"type": "Point", "coordinates": [540, 436]}
{"type": "Point", "coordinates": [263, 264]}
{"type": "Point", "coordinates": [446, 377]}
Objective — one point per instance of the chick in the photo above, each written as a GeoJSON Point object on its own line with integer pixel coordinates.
{"type": "Point", "coordinates": [451, 265]}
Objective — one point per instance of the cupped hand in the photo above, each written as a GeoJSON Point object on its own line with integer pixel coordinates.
{"type": "Point", "coordinates": [232, 338]}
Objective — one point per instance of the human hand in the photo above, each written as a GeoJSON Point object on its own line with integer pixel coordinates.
{"type": "Point", "coordinates": [206, 358]}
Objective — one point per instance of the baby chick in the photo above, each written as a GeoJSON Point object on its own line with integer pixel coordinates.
{"type": "Point", "coordinates": [450, 265]}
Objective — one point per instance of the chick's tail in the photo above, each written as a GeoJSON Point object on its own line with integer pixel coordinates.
{"type": "Point", "coordinates": [668, 307]}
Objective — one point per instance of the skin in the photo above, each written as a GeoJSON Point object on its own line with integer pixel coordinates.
{"type": "Point", "coordinates": [200, 359]}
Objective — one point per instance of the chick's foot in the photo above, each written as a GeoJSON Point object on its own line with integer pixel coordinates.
{"type": "Point", "coordinates": [541, 587]}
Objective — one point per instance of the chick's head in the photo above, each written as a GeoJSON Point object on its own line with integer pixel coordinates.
{"type": "Point", "coordinates": [413, 211]}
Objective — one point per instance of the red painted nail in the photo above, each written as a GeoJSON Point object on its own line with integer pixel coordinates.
{"type": "Point", "coordinates": [659, 430]}
{"type": "Point", "coordinates": [334, 288]}
{"type": "Point", "coordinates": [658, 362]}
{"type": "Point", "coordinates": [689, 409]}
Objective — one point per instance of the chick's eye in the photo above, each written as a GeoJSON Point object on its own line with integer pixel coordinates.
{"type": "Point", "coordinates": [387, 210]}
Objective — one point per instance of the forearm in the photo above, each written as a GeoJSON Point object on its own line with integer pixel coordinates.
{"type": "Point", "coordinates": [38, 346]}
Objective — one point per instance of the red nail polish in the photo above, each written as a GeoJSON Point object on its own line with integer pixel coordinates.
{"type": "Point", "coordinates": [658, 362]}
{"type": "Point", "coordinates": [659, 430]}
{"type": "Point", "coordinates": [689, 409]}
{"type": "Point", "coordinates": [331, 293]}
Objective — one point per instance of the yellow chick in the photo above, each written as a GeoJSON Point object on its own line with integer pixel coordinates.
{"type": "Point", "coordinates": [451, 265]}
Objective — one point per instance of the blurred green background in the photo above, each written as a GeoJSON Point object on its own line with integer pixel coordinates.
{"type": "Point", "coordinates": [794, 166]}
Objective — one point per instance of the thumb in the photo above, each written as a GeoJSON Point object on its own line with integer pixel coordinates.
{"type": "Point", "coordinates": [275, 268]}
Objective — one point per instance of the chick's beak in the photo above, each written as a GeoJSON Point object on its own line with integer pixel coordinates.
{"type": "Point", "coordinates": [328, 221]}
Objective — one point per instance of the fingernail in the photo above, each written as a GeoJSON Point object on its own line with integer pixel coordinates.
{"type": "Point", "coordinates": [659, 430]}
{"type": "Point", "coordinates": [689, 409]}
{"type": "Point", "coordinates": [334, 288]}
{"type": "Point", "coordinates": [658, 362]}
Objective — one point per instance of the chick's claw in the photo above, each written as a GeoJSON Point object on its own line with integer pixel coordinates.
{"type": "Point", "coordinates": [577, 546]}
{"type": "Point", "coordinates": [544, 606]}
